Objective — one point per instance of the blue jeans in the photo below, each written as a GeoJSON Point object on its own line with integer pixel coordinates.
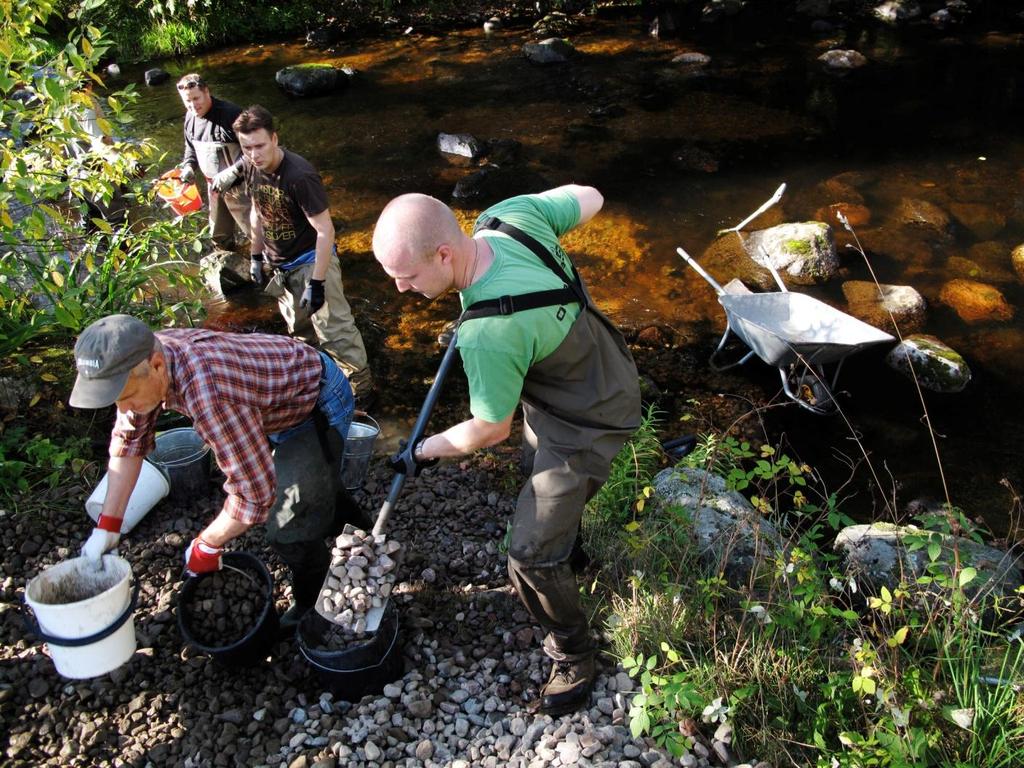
{"type": "Point", "coordinates": [335, 402]}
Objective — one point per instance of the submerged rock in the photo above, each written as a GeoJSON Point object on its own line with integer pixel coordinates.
{"type": "Point", "coordinates": [975, 302]}
{"type": "Point", "coordinates": [937, 367]}
{"type": "Point", "coordinates": [896, 11]}
{"type": "Point", "coordinates": [921, 213]}
{"type": "Point", "coordinates": [461, 144]}
{"type": "Point", "coordinates": [880, 305]}
{"type": "Point", "coordinates": [1017, 259]}
{"type": "Point", "coordinates": [984, 221]}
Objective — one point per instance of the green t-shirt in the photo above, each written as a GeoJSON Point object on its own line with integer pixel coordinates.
{"type": "Point", "coordinates": [498, 351]}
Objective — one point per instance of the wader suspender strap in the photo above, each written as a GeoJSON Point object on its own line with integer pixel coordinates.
{"type": "Point", "coordinates": [572, 291]}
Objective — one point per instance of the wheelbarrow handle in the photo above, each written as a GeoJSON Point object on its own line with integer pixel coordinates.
{"type": "Point", "coordinates": [764, 207]}
{"type": "Point", "coordinates": [701, 271]}
{"type": "Point", "coordinates": [417, 433]}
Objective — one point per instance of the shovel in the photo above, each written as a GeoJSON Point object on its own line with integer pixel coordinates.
{"type": "Point", "coordinates": [374, 615]}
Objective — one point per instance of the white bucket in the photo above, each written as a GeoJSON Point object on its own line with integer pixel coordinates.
{"type": "Point", "coordinates": [151, 486]}
{"type": "Point", "coordinates": [355, 461]}
{"type": "Point", "coordinates": [90, 636]}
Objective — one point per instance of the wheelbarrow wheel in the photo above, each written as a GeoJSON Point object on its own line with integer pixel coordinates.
{"type": "Point", "coordinates": [808, 389]}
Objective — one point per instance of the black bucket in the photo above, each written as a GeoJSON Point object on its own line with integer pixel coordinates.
{"type": "Point", "coordinates": [256, 644]}
{"type": "Point", "coordinates": [360, 669]}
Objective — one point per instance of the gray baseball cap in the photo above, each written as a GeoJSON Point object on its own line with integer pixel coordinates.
{"type": "Point", "coordinates": [105, 354]}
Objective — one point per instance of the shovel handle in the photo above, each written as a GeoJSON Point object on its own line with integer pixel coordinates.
{"type": "Point", "coordinates": [417, 433]}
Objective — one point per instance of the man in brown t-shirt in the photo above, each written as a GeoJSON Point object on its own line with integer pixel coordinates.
{"type": "Point", "coordinates": [292, 233]}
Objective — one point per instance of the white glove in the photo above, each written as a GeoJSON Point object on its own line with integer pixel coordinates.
{"type": "Point", "coordinates": [99, 543]}
{"type": "Point", "coordinates": [187, 173]}
{"type": "Point", "coordinates": [226, 179]}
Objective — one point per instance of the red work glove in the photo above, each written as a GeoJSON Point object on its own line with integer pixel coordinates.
{"type": "Point", "coordinates": [201, 557]}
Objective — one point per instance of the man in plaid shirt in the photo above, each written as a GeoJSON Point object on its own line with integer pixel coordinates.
{"type": "Point", "coordinates": [253, 399]}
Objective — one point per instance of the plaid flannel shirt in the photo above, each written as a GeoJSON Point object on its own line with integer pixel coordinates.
{"type": "Point", "coordinates": [237, 389]}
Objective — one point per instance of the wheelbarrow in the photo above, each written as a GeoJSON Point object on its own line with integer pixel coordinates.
{"type": "Point", "coordinates": [793, 332]}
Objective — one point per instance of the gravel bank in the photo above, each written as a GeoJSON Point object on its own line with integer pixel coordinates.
{"type": "Point", "coordinates": [471, 654]}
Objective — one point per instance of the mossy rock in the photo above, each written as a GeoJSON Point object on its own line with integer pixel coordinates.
{"type": "Point", "coordinates": [938, 368]}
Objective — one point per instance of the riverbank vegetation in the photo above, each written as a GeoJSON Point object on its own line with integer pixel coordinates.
{"type": "Point", "coordinates": [82, 234]}
{"type": "Point", "coordinates": [798, 665]}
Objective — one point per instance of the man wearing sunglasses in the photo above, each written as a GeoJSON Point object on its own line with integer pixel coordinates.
{"type": "Point", "coordinates": [212, 146]}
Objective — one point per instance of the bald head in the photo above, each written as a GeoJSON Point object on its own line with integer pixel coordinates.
{"type": "Point", "coordinates": [412, 226]}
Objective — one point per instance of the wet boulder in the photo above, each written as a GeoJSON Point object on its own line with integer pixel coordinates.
{"type": "Point", "coordinates": [856, 214]}
{"type": "Point", "coordinates": [880, 305]}
{"type": "Point", "coordinates": [460, 144]}
{"type": "Point", "coordinates": [842, 60]}
{"type": "Point", "coordinates": [155, 76]}
{"type": "Point", "coordinates": [692, 58]}
{"type": "Point", "coordinates": [311, 79]}
{"type": "Point", "coordinates": [885, 555]}
{"type": "Point", "coordinates": [984, 221]}
{"type": "Point", "coordinates": [912, 212]}
{"type": "Point", "coordinates": [225, 272]}
{"type": "Point", "coordinates": [690, 157]}
{"type": "Point", "coordinates": [975, 302]}
{"type": "Point", "coordinates": [803, 252]}
{"type": "Point", "coordinates": [554, 24]}
{"type": "Point", "coordinates": [897, 11]}
{"type": "Point", "coordinates": [731, 536]}
{"type": "Point", "coordinates": [554, 50]}
{"type": "Point", "coordinates": [937, 367]}
{"type": "Point", "coordinates": [1017, 259]}
{"type": "Point", "coordinates": [492, 25]}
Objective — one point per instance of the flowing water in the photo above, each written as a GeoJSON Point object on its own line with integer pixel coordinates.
{"type": "Point", "coordinates": [930, 118]}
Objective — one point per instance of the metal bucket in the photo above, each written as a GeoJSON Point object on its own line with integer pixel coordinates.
{"type": "Point", "coordinates": [355, 461]}
{"type": "Point", "coordinates": [184, 458]}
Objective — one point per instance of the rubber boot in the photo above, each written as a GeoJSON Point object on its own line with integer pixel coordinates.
{"type": "Point", "coordinates": [348, 512]}
{"type": "Point", "coordinates": [568, 687]}
{"type": "Point", "coordinates": [307, 580]}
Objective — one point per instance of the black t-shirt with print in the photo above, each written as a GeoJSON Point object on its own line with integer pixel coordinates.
{"type": "Point", "coordinates": [283, 200]}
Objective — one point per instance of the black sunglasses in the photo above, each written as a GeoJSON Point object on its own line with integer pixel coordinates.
{"type": "Point", "coordinates": [190, 84]}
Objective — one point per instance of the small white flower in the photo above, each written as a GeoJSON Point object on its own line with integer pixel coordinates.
{"type": "Point", "coordinates": [715, 712]}
{"type": "Point", "coordinates": [835, 584]}
{"type": "Point", "coordinates": [790, 567]}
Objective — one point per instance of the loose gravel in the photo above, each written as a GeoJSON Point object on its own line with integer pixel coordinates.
{"type": "Point", "coordinates": [472, 659]}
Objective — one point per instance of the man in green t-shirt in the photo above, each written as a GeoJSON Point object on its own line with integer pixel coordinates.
{"type": "Point", "coordinates": [529, 333]}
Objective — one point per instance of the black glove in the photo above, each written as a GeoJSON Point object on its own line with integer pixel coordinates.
{"type": "Point", "coordinates": [313, 297]}
{"type": "Point", "coordinates": [405, 463]}
{"type": "Point", "coordinates": [256, 269]}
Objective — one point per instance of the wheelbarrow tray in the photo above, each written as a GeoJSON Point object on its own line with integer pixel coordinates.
{"type": "Point", "coordinates": [785, 328]}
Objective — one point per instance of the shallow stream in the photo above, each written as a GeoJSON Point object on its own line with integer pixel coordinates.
{"type": "Point", "coordinates": [930, 118]}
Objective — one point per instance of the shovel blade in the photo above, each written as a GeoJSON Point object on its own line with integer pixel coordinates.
{"type": "Point", "coordinates": [374, 616]}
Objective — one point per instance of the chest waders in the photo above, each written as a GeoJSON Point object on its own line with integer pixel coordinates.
{"type": "Point", "coordinates": [309, 490]}
{"type": "Point", "coordinates": [580, 404]}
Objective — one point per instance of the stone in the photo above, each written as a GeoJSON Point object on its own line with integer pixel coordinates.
{"type": "Point", "coordinates": [804, 253]}
{"type": "Point", "coordinates": [880, 554]}
{"type": "Point", "coordinates": [880, 305]}
{"type": "Point", "coordinates": [305, 80]}
{"type": "Point", "coordinates": [461, 144]}
{"type": "Point", "coordinates": [553, 50]}
{"type": "Point", "coordinates": [975, 302]}
{"type": "Point", "coordinates": [1017, 259]}
{"type": "Point", "coordinates": [983, 221]}
{"type": "Point", "coordinates": [155, 76]}
{"type": "Point", "coordinates": [936, 366]}
{"type": "Point", "coordinates": [856, 214]}
{"type": "Point", "coordinates": [693, 58]}
{"type": "Point", "coordinates": [923, 214]}
{"type": "Point", "coordinates": [843, 60]}
{"type": "Point", "coordinates": [731, 536]}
